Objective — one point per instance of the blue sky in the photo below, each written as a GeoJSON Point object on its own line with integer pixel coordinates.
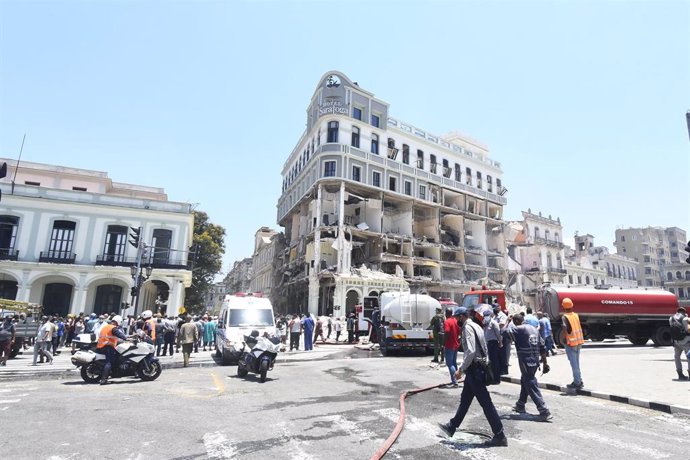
{"type": "Point", "coordinates": [583, 103]}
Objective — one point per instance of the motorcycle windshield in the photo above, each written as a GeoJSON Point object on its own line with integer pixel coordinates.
{"type": "Point", "coordinates": [246, 317]}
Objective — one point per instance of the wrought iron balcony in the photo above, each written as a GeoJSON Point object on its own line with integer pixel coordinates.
{"type": "Point", "coordinates": [8, 254]}
{"type": "Point", "coordinates": [548, 242]}
{"type": "Point", "coordinates": [57, 257]}
{"type": "Point", "coordinates": [115, 260]}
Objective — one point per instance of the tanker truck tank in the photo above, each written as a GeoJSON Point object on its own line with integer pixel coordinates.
{"type": "Point", "coordinates": [410, 311]}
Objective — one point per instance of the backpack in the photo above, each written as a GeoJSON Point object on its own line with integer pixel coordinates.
{"type": "Point", "coordinates": [677, 331]}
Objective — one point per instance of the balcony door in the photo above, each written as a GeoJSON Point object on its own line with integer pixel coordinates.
{"type": "Point", "coordinates": [162, 239]}
{"type": "Point", "coordinates": [62, 240]}
{"type": "Point", "coordinates": [8, 234]}
{"type": "Point", "coordinates": [115, 243]}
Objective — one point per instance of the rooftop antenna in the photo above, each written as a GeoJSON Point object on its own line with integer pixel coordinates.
{"type": "Point", "coordinates": [16, 168]}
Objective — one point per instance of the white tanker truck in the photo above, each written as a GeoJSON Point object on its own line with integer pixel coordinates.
{"type": "Point", "coordinates": [406, 321]}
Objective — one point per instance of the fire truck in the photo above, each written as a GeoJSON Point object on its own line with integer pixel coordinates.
{"type": "Point", "coordinates": [484, 295]}
{"type": "Point", "coordinates": [605, 312]}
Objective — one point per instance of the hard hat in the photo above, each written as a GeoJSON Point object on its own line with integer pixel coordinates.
{"type": "Point", "coordinates": [116, 319]}
{"type": "Point", "coordinates": [146, 314]}
{"type": "Point", "coordinates": [567, 303]}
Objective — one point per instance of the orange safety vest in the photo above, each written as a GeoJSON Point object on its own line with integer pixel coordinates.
{"type": "Point", "coordinates": [575, 337]}
{"type": "Point", "coordinates": [152, 325]}
{"type": "Point", "coordinates": [106, 337]}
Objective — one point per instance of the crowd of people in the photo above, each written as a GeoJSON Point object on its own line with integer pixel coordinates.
{"type": "Point", "coordinates": [306, 328]}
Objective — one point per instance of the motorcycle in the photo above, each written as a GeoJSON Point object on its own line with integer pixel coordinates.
{"type": "Point", "coordinates": [258, 355]}
{"type": "Point", "coordinates": [85, 341]}
{"type": "Point", "coordinates": [135, 357]}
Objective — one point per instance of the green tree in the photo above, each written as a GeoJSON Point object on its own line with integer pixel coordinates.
{"type": "Point", "coordinates": [209, 245]}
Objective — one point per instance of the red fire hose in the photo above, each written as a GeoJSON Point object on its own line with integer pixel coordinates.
{"type": "Point", "coordinates": [378, 455]}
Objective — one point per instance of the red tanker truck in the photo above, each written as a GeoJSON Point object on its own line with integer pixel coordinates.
{"type": "Point", "coordinates": [605, 312]}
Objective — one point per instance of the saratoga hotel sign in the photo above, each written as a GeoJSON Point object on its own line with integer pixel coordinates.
{"type": "Point", "coordinates": [333, 106]}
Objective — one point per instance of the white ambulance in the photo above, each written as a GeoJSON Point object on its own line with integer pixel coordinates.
{"type": "Point", "coordinates": [240, 314]}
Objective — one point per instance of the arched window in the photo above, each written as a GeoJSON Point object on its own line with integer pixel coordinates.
{"type": "Point", "coordinates": [547, 233]}
{"type": "Point", "coordinates": [549, 264]}
{"type": "Point", "coordinates": [587, 279]}
{"type": "Point", "coordinates": [687, 275]}
{"type": "Point", "coordinates": [375, 144]}
{"type": "Point", "coordinates": [669, 276]}
{"type": "Point", "coordinates": [557, 237]}
{"type": "Point", "coordinates": [679, 276]}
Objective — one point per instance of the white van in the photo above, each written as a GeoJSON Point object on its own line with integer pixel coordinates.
{"type": "Point", "coordinates": [241, 314]}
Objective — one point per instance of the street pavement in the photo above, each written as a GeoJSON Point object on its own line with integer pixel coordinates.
{"type": "Point", "coordinates": [613, 369]}
{"type": "Point", "coordinates": [342, 404]}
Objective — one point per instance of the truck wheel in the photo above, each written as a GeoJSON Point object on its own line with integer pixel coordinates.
{"type": "Point", "coordinates": [662, 336]}
{"type": "Point", "coordinates": [559, 337]}
{"type": "Point", "coordinates": [638, 340]}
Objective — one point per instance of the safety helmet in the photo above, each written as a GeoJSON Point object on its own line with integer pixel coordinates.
{"type": "Point", "coordinates": [567, 303]}
{"type": "Point", "coordinates": [116, 319]}
{"type": "Point", "coordinates": [146, 314]}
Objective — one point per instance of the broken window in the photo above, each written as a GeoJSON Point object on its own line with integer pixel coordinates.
{"type": "Point", "coordinates": [489, 185]}
{"type": "Point", "coordinates": [468, 176]}
{"type": "Point", "coordinates": [432, 163]}
{"type": "Point", "coordinates": [458, 172]}
{"type": "Point", "coordinates": [392, 151]}
{"type": "Point", "coordinates": [446, 169]}
{"type": "Point", "coordinates": [479, 179]}
{"type": "Point", "coordinates": [406, 154]}
{"type": "Point", "coordinates": [420, 159]}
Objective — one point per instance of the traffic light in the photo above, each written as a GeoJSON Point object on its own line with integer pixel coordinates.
{"type": "Point", "coordinates": [687, 249]}
{"type": "Point", "coordinates": [134, 291]}
{"type": "Point", "coordinates": [134, 236]}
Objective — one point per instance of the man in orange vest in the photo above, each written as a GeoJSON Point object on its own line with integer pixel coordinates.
{"type": "Point", "coordinates": [574, 340]}
{"type": "Point", "coordinates": [107, 341]}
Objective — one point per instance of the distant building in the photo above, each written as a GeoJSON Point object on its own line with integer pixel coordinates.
{"type": "Point", "coordinates": [265, 275]}
{"type": "Point", "coordinates": [677, 280]}
{"type": "Point", "coordinates": [214, 298]}
{"type": "Point", "coordinates": [617, 270]}
{"type": "Point", "coordinates": [536, 255]}
{"type": "Point", "coordinates": [371, 203]}
{"type": "Point", "coordinates": [653, 249]}
{"type": "Point", "coordinates": [64, 241]}
{"type": "Point", "coordinates": [240, 277]}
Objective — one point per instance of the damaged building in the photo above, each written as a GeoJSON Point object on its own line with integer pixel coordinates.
{"type": "Point", "coordinates": [370, 203]}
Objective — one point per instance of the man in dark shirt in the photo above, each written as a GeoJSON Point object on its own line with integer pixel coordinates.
{"type": "Point", "coordinates": [529, 346]}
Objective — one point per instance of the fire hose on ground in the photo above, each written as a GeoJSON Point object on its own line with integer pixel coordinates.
{"type": "Point", "coordinates": [378, 455]}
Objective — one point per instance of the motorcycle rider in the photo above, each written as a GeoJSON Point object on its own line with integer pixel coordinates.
{"type": "Point", "coordinates": [107, 341]}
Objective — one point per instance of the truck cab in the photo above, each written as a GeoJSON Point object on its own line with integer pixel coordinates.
{"type": "Point", "coordinates": [475, 297]}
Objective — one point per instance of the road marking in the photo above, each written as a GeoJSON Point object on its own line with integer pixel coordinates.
{"type": "Point", "coordinates": [218, 446]}
{"type": "Point", "coordinates": [294, 445]}
{"type": "Point", "coordinates": [9, 401]}
{"type": "Point", "coordinates": [220, 386]}
{"type": "Point", "coordinates": [625, 446]}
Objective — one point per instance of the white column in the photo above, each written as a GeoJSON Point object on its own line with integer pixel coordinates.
{"type": "Point", "coordinates": [79, 304]}
{"type": "Point", "coordinates": [175, 298]}
{"type": "Point", "coordinates": [313, 305]}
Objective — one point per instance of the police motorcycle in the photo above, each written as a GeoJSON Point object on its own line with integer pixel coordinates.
{"type": "Point", "coordinates": [135, 357]}
{"type": "Point", "coordinates": [258, 354]}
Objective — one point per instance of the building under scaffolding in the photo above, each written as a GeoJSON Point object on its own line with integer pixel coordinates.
{"type": "Point", "coordinates": [372, 204]}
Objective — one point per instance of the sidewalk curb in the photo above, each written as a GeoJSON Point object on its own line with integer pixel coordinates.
{"type": "Point", "coordinates": [662, 407]}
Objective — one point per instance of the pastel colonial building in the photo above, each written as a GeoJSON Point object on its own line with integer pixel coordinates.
{"type": "Point", "coordinates": [371, 203]}
{"type": "Point", "coordinates": [64, 241]}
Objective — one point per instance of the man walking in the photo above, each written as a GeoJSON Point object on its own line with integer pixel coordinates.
{"type": "Point", "coordinates": [43, 338]}
{"type": "Point", "coordinates": [574, 340]}
{"type": "Point", "coordinates": [7, 336]}
{"type": "Point", "coordinates": [188, 336]}
{"type": "Point", "coordinates": [473, 366]}
{"type": "Point", "coordinates": [451, 332]}
{"type": "Point", "coordinates": [437, 323]}
{"type": "Point", "coordinates": [529, 346]}
{"type": "Point", "coordinates": [680, 331]}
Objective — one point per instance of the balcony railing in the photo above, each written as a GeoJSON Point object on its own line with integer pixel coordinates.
{"type": "Point", "coordinates": [8, 254]}
{"type": "Point", "coordinates": [57, 257]}
{"type": "Point", "coordinates": [114, 260]}
{"type": "Point", "coordinates": [548, 242]}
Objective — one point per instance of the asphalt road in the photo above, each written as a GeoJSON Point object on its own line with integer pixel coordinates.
{"type": "Point", "coordinates": [343, 407]}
